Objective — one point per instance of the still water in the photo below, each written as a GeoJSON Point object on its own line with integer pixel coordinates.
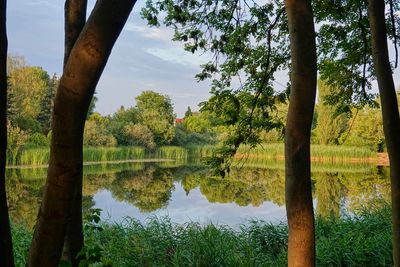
{"type": "Point", "coordinates": [188, 192]}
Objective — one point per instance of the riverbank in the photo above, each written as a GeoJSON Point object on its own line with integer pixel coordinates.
{"type": "Point", "coordinates": [360, 240]}
{"type": "Point", "coordinates": [39, 157]}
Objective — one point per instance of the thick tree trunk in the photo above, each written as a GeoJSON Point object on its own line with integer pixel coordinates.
{"type": "Point", "coordinates": [390, 113]}
{"type": "Point", "coordinates": [85, 64]}
{"type": "Point", "coordinates": [74, 21]}
{"type": "Point", "coordinates": [6, 250]}
{"type": "Point", "coordinates": [299, 206]}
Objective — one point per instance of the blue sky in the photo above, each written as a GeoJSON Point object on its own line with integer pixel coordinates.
{"type": "Point", "coordinates": [143, 58]}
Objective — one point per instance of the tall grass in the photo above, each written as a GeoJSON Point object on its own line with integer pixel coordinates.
{"type": "Point", "coordinates": [360, 240]}
{"type": "Point", "coordinates": [169, 152]}
{"type": "Point", "coordinates": [97, 154]}
{"type": "Point", "coordinates": [324, 153]}
{"type": "Point", "coordinates": [41, 156]}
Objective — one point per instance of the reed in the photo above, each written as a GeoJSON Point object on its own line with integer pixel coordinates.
{"type": "Point", "coordinates": [169, 152]}
{"type": "Point", "coordinates": [103, 154]}
{"type": "Point", "coordinates": [321, 153]}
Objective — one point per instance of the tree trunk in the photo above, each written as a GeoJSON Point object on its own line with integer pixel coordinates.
{"type": "Point", "coordinates": [299, 206]}
{"type": "Point", "coordinates": [6, 250]}
{"type": "Point", "coordinates": [85, 64]}
{"type": "Point", "coordinates": [74, 21]}
{"type": "Point", "coordinates": [390, 113]}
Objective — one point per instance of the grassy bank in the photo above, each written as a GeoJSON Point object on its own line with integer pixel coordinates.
{"type": "Point", "coordinates": [361, 240]}
{"type": "Point", "coordinates": [329, 154]}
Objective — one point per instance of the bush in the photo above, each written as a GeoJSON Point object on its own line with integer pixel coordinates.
{"type": "Point", "coordinates": [96, 133]}
{"type": "Point", "coordinates": [38, 140]}
{"type": "Point", "coordinates": [138, 134]}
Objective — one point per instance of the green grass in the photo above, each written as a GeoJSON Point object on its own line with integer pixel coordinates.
{"type": "Point", "coordinates": [41, 156]}
{"type": "Point", "coordinates": [93, 154]}
{"type": "Point", "coordinates": [333, 154]}
{"type": "Point", "coordinates": [358, 240]}
{"type": "Point", "coordinates": [169, 152]}
{"type": "Point", "coordinates": [323, 152]}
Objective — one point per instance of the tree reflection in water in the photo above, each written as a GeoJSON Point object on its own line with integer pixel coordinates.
{"type": "Point", "coordinates": [149, 187]}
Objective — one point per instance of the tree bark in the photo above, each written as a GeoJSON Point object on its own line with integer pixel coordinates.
{"type": "Point", "coordinates": [82, 72]}
{"type": "Point", "coordinates": [6, 249]}
{"type": "Point", "coordinates": [390, 112]}
{"type": "Point", "coordinates": [74, 21]}
{"type": "Point", "coordinates": [299, 206]}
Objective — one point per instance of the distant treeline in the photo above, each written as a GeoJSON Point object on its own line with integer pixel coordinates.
{"type": "Point", "coordinates": [152, 123]}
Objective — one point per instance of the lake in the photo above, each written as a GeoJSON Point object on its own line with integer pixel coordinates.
{"type": "Point", "coordinates": [188, 192]}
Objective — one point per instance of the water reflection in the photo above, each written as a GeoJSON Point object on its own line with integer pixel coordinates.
{"type": "Point", "coordinates": [190, 192]}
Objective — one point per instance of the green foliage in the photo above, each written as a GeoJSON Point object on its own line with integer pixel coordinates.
{"type": "Point", "coordinates": [16, 139]}
{"type": "Point", "coordinates": [38, 140]}
{"type": "Point", "coordinates": [156, 112]}
{"type": "Point", "coordinates": [197, 123]}
{"type": "Point", "coordinates": [365, 129]}
{"type": "Point", "coordinates": [46, 105]}
{"type": "Point", "coordinates": [188, 112]}
{"type": "Point", "coordinates": [140, 135]}
{"type": "Point", "coordinates": [92, 250]}
{"type": "Point", "coordinates": [92, 105]}
{"type": "Point", "coordinates": [198, 128]}
{"type": "Point", "coordinates": [119, 120]}
{"type": "Point", "coordinates": [96, 133]}
{"type": "Point", "coordinates": [250, 43]}
{"type": "Point", "coordinates": [345, 54]}
{"type": "Point", "coordinates": [30, 95]}
{"type": "Point", "coordinates": [330, 126]}
{"type": "Point", "coordinates": [22, 238]}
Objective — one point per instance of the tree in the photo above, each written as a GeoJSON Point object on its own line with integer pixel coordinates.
{"type": "Point", "coordinates": [74, 21]}
{"type": "Point", "coordinates": [365, 128]}
{"type": "Point", "coordinates": [119, 120]}
{"type": "Point", "coordinates": [330, 125]}
{"type": "Point", "coordinates": [156, 112]}
{"type": "Point", "coordinates": [6, 249]}
{"type": "Point", "coordinates": [299, 206]}
{"type": "Point", "coordinates": [188, 112]}
{"type": "Point", "coordinates": [46, 105]}
{"type": "Point", "coordinates": [96, 132]}
{"type": "Point", "coordinates": [28, 87]}
{"type": "Point", "coordinates": [249, 42]}
{"type": "Point", "coordinates": [81, 73]}
{"type": "Point", "coordinates": [390, 111]}
{"type": "Point", "coordinates": [139, 134]}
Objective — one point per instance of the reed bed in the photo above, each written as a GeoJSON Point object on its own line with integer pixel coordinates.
{"type": "Point", "coordinates": [100, 154]}
{"type": "Point", "coordinates": [327, 153]}
{"type": "Point", "coordinates": [169, 152]}
{"type": "Point", "coordinates": [320, 153]}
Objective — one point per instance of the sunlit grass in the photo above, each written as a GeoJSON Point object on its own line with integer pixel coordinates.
{"type": "Point", "coordinates": [97, 154]}
{"type": "Point", "coordinates": [319, 153]}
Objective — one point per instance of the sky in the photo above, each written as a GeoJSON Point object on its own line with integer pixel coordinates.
{"type": "Point", "coordinates": [143, 58]}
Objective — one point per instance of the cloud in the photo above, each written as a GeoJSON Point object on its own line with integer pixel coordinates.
{"type": "Point", "coordinates": [178, 55]}
{"type": "Point", "coordinates": [160, 34]}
